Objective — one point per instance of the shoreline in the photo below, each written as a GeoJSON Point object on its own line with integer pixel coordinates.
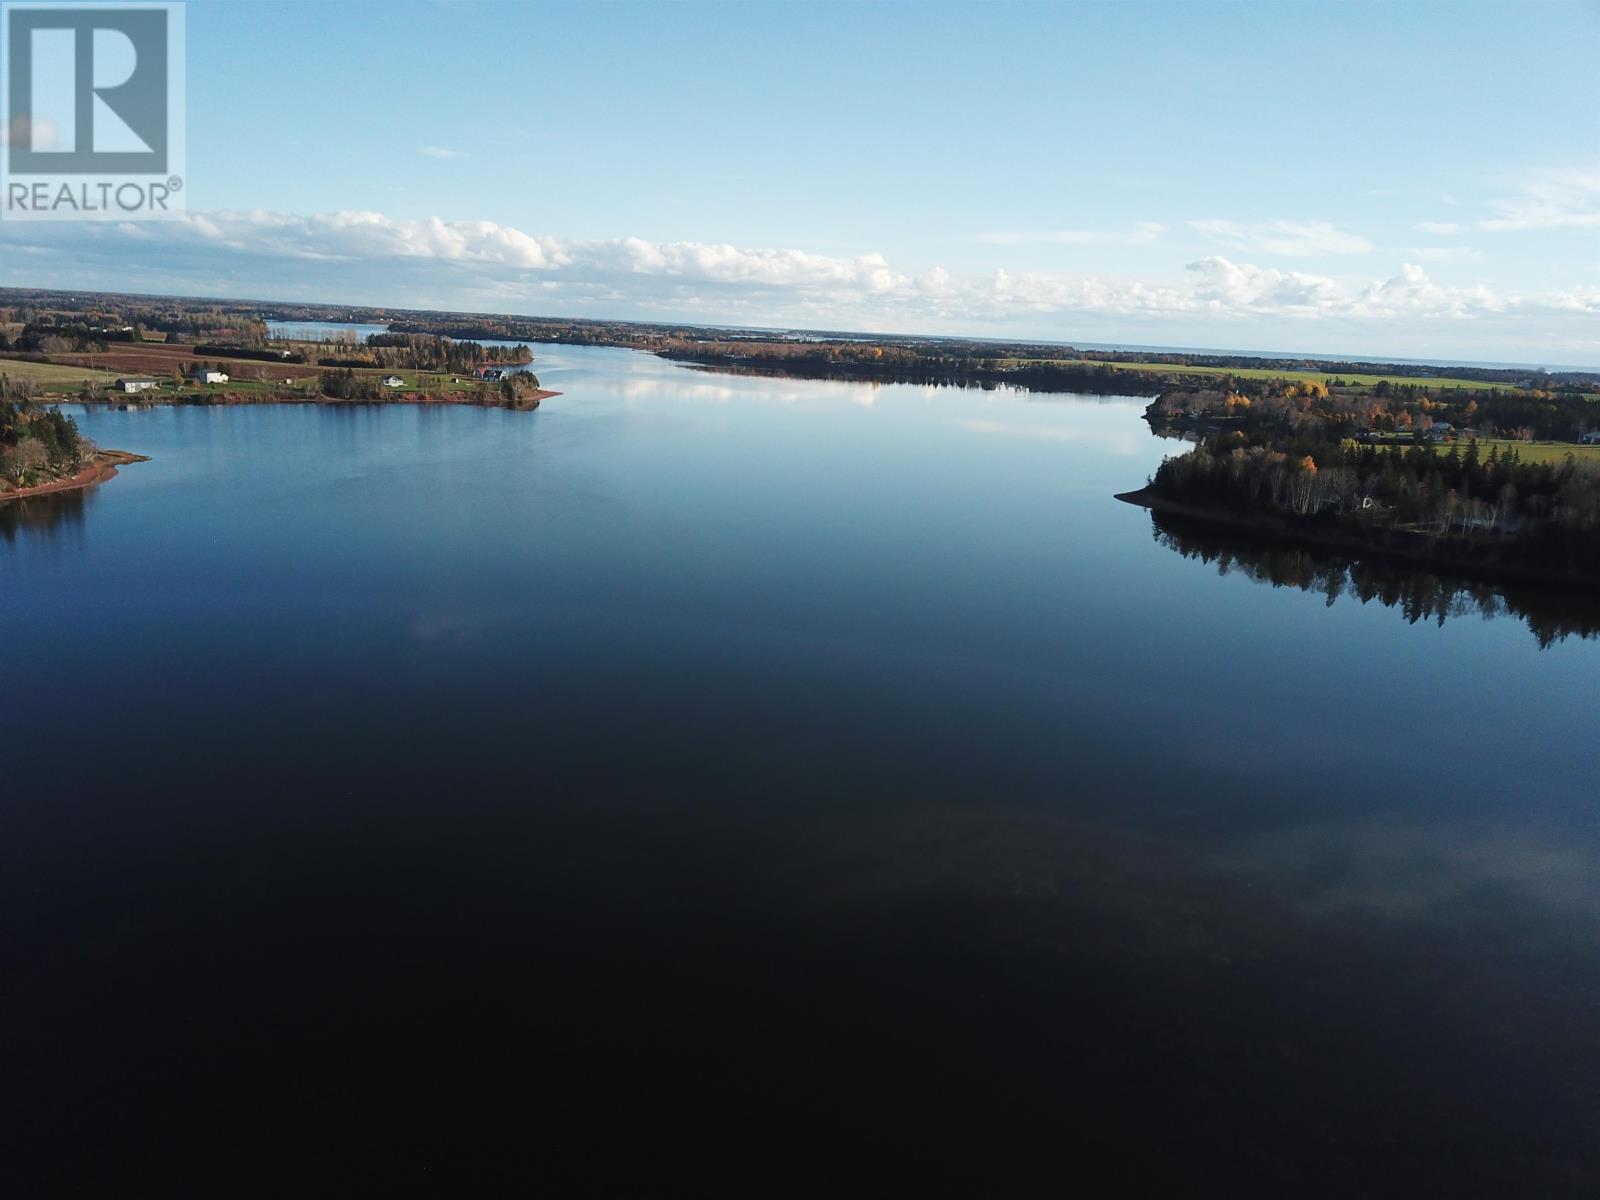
{"type": "Point", "coordinates": [103, 467]}
{"type": "Point", "coordinates": [1420, 555]}
{"type": "Point", "coordinates": [240, 400]}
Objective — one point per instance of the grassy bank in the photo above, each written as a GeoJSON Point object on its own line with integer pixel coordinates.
{"type": "Point", "coordinates": [1529, 452]}
{"type": "Point", "coordinates": [54, 376]}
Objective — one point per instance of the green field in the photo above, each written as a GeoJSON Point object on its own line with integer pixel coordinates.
{"type": "Point", "coordinates": [1530, 452]}
{"type": "Point", "coordinates": [52, 376]}
{"type": "Point", "coordinates": [413, 380]}
{"type": "Point", "coordinates": [1539, 452]}
{"type": "Point", "coordinates": [68, 379]}
{"type": "Point", "coordinates": [436, 381]}
{"type": "Point", "coordinates": [1270, 373]}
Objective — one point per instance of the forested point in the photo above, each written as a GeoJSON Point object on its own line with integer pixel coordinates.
{"type": "Point", "coordinates": [38, 444]}
{"type": "Point", "coordinates": [1395, 469]}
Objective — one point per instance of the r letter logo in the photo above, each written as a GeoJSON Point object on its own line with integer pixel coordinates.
{"type": "Point", "coordinates": [93, 120]}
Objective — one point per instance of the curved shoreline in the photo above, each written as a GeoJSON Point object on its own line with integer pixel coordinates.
{"type": "Point", "coordinates": [103, 467]}
{"type": "Point", "coordinates": [245, 400]}
{"type": "Point", "coordinates": [1421, 554]}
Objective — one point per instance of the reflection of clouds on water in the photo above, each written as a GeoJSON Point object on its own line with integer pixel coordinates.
{"type": "Point", "coordinates": [435, 628]}
{"type": "Point", "coordinates": [647, 388]}
{"type": "Point", "coordinates": [455, 626]}
{"type": "Point", "coordinates": [1113, 442]}
{"type": "Point", "coordinates": [1411, 872]}
{"type": "Point", "coordinates": [682, 385]}
{"type": "Point", "coordinates": [640, 377]}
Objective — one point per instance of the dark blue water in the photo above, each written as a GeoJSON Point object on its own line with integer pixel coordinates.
{"type": "Point", "coordinates": [720, 780]}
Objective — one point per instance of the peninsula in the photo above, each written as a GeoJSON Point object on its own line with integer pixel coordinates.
{"type": "Point", "coordinates": [42, 452]}
{"type": "Point", "coordinates": [1497, 482]}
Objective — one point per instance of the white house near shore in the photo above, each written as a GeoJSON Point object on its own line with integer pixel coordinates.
{"type": "Point", "coordinates": [393, 381]}
{"type": "Point", "coordinates": [211, 377]}
{"type": "Point", "coordinates": [131, 384]}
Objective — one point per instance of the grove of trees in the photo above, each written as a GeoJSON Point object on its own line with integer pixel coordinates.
{"type": "Point", "coordinates": [37, 443]}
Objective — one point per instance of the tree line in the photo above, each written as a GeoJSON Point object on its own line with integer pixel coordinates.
{"type": "Point", "coordinates": [1312, 458]}
{"type": "Point", "coordinates": [425, 352]}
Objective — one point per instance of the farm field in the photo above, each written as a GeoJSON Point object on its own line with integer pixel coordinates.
{"type": "Point", "coordinates": [1540, 452]}
{"type": "Point", "coordinates": [158, 362]}
{"type": "Point", "coordinates": [1272, 373]}
{"type": "Point", "coordinates": [434, 380]}
{"type": "Point", "coordinates": [1530, 452]}
{"type": "Point", "coordinates": [53, 375]}
{"type": "Point", "coordinates": [136, 358]}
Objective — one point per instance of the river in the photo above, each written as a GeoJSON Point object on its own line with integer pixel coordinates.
{"type": "Point", "coordinates": [822, 768]}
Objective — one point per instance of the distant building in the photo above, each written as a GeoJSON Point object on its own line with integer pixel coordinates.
{"type": "Point", "coordinates": [489, 373]}
{"type": "Point", "coordinates": [393, 381]}
{"type": "Point", "coordinates": [1592, 438]}
{"type": "Point", "coordinates": [210, 377]}
{"type": "Point", "coordinates": [132, 384]}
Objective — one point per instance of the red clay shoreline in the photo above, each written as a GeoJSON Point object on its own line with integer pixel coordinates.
{"type": "Point", "coordinates": [103, 467]}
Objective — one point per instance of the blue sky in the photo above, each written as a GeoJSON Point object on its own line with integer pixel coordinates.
{"type": "Point", "coordinates": [1416, 180]}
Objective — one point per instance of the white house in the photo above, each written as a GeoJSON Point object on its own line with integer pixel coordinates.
{"type": "Point", "coordinates": [393, 381]}
{"type": "Point", "coordinates": [210, 377]}
{"type": "Point", "coordinates": [131, 384]}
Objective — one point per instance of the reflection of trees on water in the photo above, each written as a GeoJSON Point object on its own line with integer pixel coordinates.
{"type": "Point", "coordinates": [941, 380]}
{"type": "Point", "coordinates": [1420, 595]}
{"type": "Point", "coordinates": [49, 515]}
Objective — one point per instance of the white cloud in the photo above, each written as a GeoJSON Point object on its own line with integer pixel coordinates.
{"type": "Point", "coordinates": [442, 152]}
{"type": "Point", "coordinates": [1141, 234]}
{"type": "Point", "coordinates": [491, 267]}
{"type": "Point", "coordinates": [371, 235]}
{"type": "Point", "coordinates": [1289, 239]}
{"type": "Point", "coordinates": [1558, 199]}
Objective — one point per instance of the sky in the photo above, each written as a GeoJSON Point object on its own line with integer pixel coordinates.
{"type": "Point", "coordinates": [1416, 180]}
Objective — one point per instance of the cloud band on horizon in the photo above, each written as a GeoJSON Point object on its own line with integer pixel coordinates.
{"type": "Point", "coordinates": [333, 256]}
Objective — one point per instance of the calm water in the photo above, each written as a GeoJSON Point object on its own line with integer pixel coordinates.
{"type": "Point", "coordinates": [708, 771]}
